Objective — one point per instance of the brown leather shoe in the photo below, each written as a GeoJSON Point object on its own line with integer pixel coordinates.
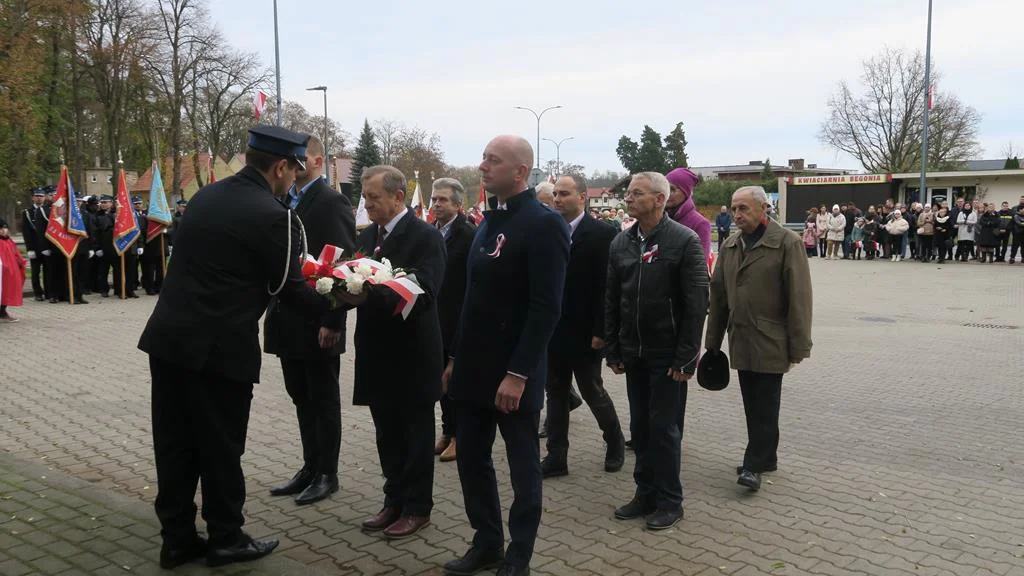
{"type": "Point", "coordinates": [406, 526]}
{"type": "Point", "coordinates": [442, 444]}
{"type": "Point", "coordinates": [386, 517]}
{"type": "Point", "coordinates": [449, 453]}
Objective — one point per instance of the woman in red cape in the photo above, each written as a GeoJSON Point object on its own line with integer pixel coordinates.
{"type": "Point", "coordinates": [12, 274]}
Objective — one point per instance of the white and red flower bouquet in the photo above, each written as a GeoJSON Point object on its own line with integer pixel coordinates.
{"type": "Point", "coordinates": [331, 275]}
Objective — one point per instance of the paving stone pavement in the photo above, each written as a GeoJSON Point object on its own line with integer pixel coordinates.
{"type": "Point", "coordinates": [902, 449]}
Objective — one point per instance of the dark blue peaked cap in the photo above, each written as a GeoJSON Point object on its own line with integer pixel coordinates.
{"type": "Point", "coordinates": [279, 142]}
{"type": "Point", "coordinates": [38, 192]}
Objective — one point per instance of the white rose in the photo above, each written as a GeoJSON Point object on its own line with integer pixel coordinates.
{"type": "Point", "coordinates": [382, 276]}
{"type": "Point", "coordinates": [364, 270]}
{"type": "Point", "coordinates": [354, 283]}
{"type": "Point", "coordinates": [386, 264]}
{"type": "Point", "coordinates": [324, 285]}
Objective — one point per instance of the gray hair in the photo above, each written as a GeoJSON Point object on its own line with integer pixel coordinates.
{"type": "Point", "coordinates": [657, 180]}
{"type": "Point", "coordinates": [545, 187]}
{"type": "Point", "coordinates": [757, 192]}
{"type": "Point", "coordinates": [393, 181]}
{"type": "Point", "coordinates": [458, 190]}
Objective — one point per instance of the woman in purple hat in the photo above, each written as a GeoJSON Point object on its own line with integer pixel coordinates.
{"type": "Point", "coordinates": [680, 206]}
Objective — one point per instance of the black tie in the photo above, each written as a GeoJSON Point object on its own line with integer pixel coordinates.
{"type": "Point", "coordinates": [381, 233]}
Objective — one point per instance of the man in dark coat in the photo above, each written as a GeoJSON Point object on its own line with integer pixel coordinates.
{"type": "Point", "coordinates": [34, 220]}
{"type": "Point", "coordinates": [446, 201]}
{"type": "Point", "coordinates": [310, 351]}
{"type": "Point", "coordinates": [398, 360]}
{"type": "Point", "coordinates": [578, 340]}
{"type": "Point", "coordinates": [204, 350]}
{"type": "Point", "coordinates": [516, 273]}
{"type": "Point", "coordinates": [103, 244]}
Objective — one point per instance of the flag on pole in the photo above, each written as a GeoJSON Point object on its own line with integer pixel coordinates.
{"type": "Point", "coordinates": [259, 103]}
{"type": "Point", "coordinates": [362, 216]}
{"type": "Point", "coordinates": [551, 177]}
{"type": "Point", "coordinates": [126, 229]}
{"type": "Point", "coordinates": [476, 213]}
{"type": "Point", "coordinates": [159, 215]}
{"type": "Point", "coordinates": [66, 227]}
{"type": "Point", "coordinates": [417, 199]}
{"type": "Point", "coordinates": [213, 164]}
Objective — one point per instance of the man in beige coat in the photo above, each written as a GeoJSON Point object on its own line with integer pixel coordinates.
{"type": "Point", "coordinates": [761, 294]}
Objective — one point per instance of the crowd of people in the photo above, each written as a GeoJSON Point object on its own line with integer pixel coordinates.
{"type": "Point", "coordinates": [970, 230]}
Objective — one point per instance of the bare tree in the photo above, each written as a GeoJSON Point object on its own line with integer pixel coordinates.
{"type": "Point", "coordinates": [388, 134]}
{"type": "Point", "coordinates": [882, 127]}
{"type": "Point", "coordinates": [186, 40]}
{"type": "Point", "coordinates": [114, 42]}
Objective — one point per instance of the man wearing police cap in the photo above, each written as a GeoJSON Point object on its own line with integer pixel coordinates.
{"type": "Point", "coordinates": [203, 344]}
{"type": "Point", "coordinates": [34, 220]}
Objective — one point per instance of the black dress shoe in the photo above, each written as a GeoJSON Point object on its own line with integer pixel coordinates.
{"type": "Point", "coordinates": [510, 570]}
{"type": "Point", "coordinates": [635, 509]}
{"type": "Point", "coordinates": [664, 519]}
{"type": "Point", "coordinates": [40, 299]}
{"type": "Point", "coordinates": [133, 295]}
{"type": "Point", "coordinates": [53, 300]}
{"type": "Point", "coordinates": [296, 485]}
{"type": "Point", "coordinates": [551, 467]}
{"type": "Point", "coordinates": [629, 443]}
{"type": "Point", "coordinates": [750, 479]}
{"type": "Point", "coordinates": [476, 560]}
{"type": "Point", "coordinates": [322, 486]}
{"type": "Point", "coordinates": [768, 468]}
{"type": "Point", "coordinates": [171, 557]}
{"type": "Point", "coordinates": [81, 301]}
{"type": "Point", "coordinates": [244, 550]}
{"type": "Point", "coordinates": [615, 456]}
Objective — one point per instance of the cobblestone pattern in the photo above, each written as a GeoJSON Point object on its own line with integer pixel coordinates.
{"type": "Point", "coordinates": [902, 447]}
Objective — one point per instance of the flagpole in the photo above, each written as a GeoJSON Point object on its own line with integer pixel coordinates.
{"type": "Point", "coordinates": [71, 282]}
{"type": "Point", "coordinates": [123, 295]}
{"type": "Point", "coordinates": [163, 255]}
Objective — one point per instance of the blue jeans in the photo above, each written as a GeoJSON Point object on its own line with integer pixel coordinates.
{"type": "Point", "coordinates": [656, 408]}
{"type": "Point", "coordinates": [847, 246]}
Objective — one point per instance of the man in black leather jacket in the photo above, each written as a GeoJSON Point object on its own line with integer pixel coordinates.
{"type": "Point", "coordinates": [655, 307]}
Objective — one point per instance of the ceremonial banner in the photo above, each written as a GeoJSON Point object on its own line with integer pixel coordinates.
{"type": "Point", "coordinates": [66, 227]}
{"type": "Point", "coordinates": [159, 212]}
{"type": "Point", "coordinates": [126, 229]}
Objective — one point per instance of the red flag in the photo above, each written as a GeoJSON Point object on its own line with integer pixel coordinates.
{"type": "Point", "coordinates": [65, 228]}
{"type": "Point", "coordinates": [126, 229]}
{"type": "Point", "coordinates": [213, 162]}
{"type": "Point", "coordinates": [259, 103]}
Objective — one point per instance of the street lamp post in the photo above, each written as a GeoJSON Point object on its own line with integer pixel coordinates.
{"type": "Point", "coordinates": [277, 64]}
{"type": "Point", "coordinates": [326, 149]}
{"type": "Point", "coordinates": [538, 116]}
{"type": "Point", "coordinates": [558, 153]}
{"type": "Point", "coordinates": [921, 193]}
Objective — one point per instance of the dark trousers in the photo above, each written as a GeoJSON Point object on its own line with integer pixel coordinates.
{"type": "Point", "coordinates": [101, 271]}
{"type": "Point", "coordinates": [1004, 246]}
{"type": "Point", "coordinates": [722, 237]}
{"type": "Point", "coordinates": [1017, 244]}
{"type": "Point", "coordinates": [199, 427]}
{"type": "Point", "coordinates": [586, 366]}
{"type": "Point", "coordinates": [82, 267]}
{"type": "Point", "coordinates": [964, 250]}
{"type": "Point", "coordinates": [38, 266]}
{"type": "Point", "coordinates": [131, 266]}
{"type": "Point", "coordinates": [822, 247]}
{"type": "Point", "coordinates": [313, 385]}
{"type": "Point", "coordinates": [56, 279]}
{"type": "Point", "coordinates": [448, 418]}
{"type": "Point", "coordinates": [762, 394]}
{"type": "Point", "coordinates": [657, 405]}
{"type": "Point", "coordinates": [475, 437]}
{"type": "Point", "coordinates": [152, 267]}
{"type": "Point", "coordinates": [924, 247]}
{"type": "Point", "coordinates": [405, 445]}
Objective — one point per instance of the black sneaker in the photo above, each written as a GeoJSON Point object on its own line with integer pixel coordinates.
{"type": "Point", "coordinates": [552, 467]}
{"type": "Point", "coordinates": [664, 519]}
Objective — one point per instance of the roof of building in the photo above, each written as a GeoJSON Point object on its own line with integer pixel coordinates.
{"type": "Point", "coordinates": [975, 165]}
{"type": "Point", "coordinates": [596, 192]}
{"type": "Point", "coordinates": [959, 174]}
{"type": "Point", "coordinates": [188, 175]}
{"type": "Point", "coordinates": [744, 168]}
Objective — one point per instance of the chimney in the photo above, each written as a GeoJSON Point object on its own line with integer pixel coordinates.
{"type": "Point", "coordinates": [756, 163]}
{"type": "Point", "coordinates": [97, 159]}
{"type": "Point", "coordinates": [812, 166]}
{"type": "Point", "coordinates": [796, 164]}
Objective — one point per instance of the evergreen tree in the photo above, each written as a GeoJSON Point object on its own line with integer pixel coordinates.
{"type": "Point", "coordinates": [675, 148]}
{"type": "Point", "coordinates": [367, 154]}
{"type": "Point", "coordinates": [1012, 164]}
{"type": "Point", "coordinates": [651, 155]}
{"type": "Point", "coordinates": [766, 173]}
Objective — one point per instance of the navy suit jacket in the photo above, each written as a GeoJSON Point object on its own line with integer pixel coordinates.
{"type": "Point", "coordinates": [515, 276]}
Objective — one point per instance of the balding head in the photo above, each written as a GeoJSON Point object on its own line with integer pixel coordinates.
{"type": "Point", "coordinates": [506, 166]}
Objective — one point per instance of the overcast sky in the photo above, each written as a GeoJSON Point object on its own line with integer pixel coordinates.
{"type": "Point", "coordinates": [749, 79]}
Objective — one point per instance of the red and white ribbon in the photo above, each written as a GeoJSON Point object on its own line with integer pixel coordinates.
{"type": "Point", "coordinates": [408, 291]}
{"type": "Point", "coordinates": [499, 242]}
{"type": "Point", "coordinates": [648, 256]}
{"type": "Point", "coordinates": [323, 267]}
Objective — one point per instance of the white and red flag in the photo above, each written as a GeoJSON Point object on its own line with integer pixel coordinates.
{"type": "Point", "coordinates": [259, 103]}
